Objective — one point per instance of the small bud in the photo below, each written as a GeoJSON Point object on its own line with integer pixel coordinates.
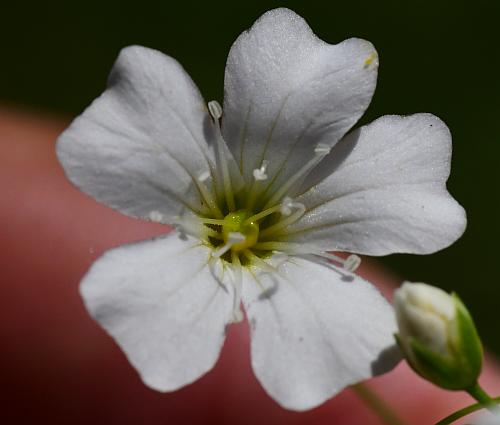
{"type": "Point", "coordinates": [437, 336]}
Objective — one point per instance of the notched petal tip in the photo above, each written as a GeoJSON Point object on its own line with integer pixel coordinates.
{"type": "Point", "coordinates": [159, 302]}
{"type": "Point", "coordinates": [287, 90]}
{"type": "Point", "coordinates": [306, 351]}
{"type": "Point", "coordinates": [138, 146]}
{"type": "Point", "coordinates": [387, 193]}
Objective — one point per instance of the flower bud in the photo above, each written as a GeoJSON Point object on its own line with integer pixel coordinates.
{"type": "Point", "coordinates": [437, 336]}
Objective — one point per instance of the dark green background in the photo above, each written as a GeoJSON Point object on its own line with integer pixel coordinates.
{"type": "Point", "coordinates": [436, 56]}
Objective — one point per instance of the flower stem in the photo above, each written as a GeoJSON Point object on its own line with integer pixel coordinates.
{"type": "Point", "coordinates": [465, 411]}
{"type": "Point", "coordinates": [482, 397]}
{"type": "Point", "coordinates": [379, 406]}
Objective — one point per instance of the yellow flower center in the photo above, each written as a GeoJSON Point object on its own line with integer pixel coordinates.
{"type": "Point", "coordinates": [237, 222]}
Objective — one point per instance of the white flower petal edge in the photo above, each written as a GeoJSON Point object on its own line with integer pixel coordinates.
{"type": "Point", "coordinates": [316, 329]}
{"type": "Point", "coordinates": [160, 301]}
{"type": "Point", "coordinates": [286, 90]}
{"type": "Point", "coordinates": [386, 192]}
{"type": "Point", "coordinates": [151, 113]}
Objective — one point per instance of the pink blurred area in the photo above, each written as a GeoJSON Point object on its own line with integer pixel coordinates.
{"type": "Point", "coordinates": [58, 367]}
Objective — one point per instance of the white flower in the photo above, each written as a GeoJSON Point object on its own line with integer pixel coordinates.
{"type": "Point", "coordinates": [258, 203]}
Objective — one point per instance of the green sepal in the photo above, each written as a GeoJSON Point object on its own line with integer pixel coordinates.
{"type": "Point", "coordinates": [444, 371]}
{"type": "Point", "coordinates": [406, 354]}
{"type": "Point", "coordinates": [468, 343]}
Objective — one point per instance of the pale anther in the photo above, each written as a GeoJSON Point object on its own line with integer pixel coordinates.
{"type": "Point", "coordinates": [352, 262]}
{"type": "Point", "coordinates": [286, 206]}
{"type": "Point", "coordinates": [204, 176]}
{"type": "Point", "coordinates": [215, 109]}
{"type": "Point", "coordinates": [156, 216]}
{"type": "Point", "coordinates": [289, 204]}
{"type": "Point", "coordinates": [286, 209]}
{"type": "Point", "coordinates": [322, 149]}
{"type": "Point", "coordinates": [260, 173]}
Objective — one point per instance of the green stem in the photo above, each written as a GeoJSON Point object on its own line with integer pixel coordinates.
{"type": "Point", "coordinates": [465, 411]}
{"type": "Point", "coordinates": [379, 406]}
{"type": "Point", "coordinates": [482, 397]}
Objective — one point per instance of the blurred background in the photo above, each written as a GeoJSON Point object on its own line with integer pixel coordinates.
{"type": "Point", "coordinates": [441, 57]}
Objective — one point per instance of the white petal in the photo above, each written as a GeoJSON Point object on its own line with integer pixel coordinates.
{"type": "Point", "coordinates": [138, 147]}
{"type": "Point", "coordinates": [316, 330]}
{"type": "Point", "coordinates": [386, 192]}
{"type": "Point", "coordinates": [159, 300]}
{"type": "Point", "coordinates": [286, 90]}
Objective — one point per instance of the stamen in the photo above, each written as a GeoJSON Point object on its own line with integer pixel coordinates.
{"type": "Point", "coordinates": [216, 112]}
{"type": "Point", "coordinates": [351, 263]}
{"type": "Point", "coordinates": [320, 151]}
{"type": "Point", "coordinates": [232, 239]}
{"type": "Point", "coordinates": [260, 173]}
{"type": "Point", "coordinates": [237, 282]}
{"type": "Point", "coordinates": [262, 214]}
{"type": "Point", "coordinates": [206, 195]}
{"type": "Point", "coordinates": [217, 270]}
{"type": "Point", "coordinates": [252, 193]}
{"type": "Point", "coordinates": [286, 209]}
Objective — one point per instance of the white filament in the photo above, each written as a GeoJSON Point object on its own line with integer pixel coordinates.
{"type": "Point", "coordinates": [320, 151]}
{"type": "Point", "coordinates": [351, 263]}
{"type": "Point", "coordinates": [237, 282]}
{"type": "Point", "coordinates": [216, 112]}
{"type": "Point", "coordinates": [286, 209]}
{"type": "Point", "coordinates": [232, 239]}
